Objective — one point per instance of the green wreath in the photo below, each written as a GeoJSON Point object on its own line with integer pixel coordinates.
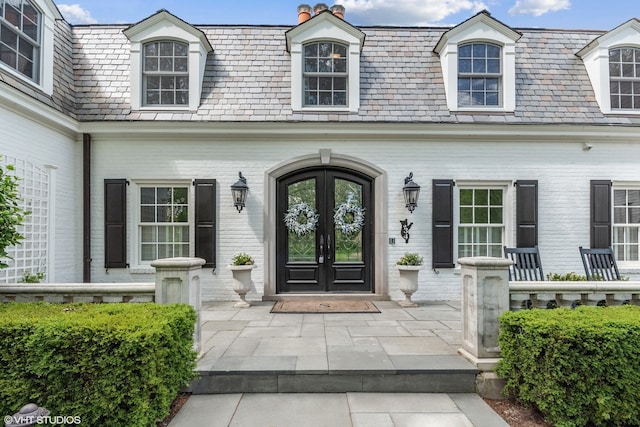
{"type": "Point", "coordinates": [349, 218]}
{"type": "Point", "coordinates": [301, 211]}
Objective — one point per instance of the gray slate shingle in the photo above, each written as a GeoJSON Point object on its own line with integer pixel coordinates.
{"type": "Point", "coordinates": [248, 78]}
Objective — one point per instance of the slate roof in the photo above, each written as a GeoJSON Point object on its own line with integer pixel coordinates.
{"type": "Point", "coordinates": [248, 75]}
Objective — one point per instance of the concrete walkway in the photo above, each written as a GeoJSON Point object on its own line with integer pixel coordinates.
{"type": "Point", "coordinates": [397, 337]}
{"type": "Point", "coordinates": [294, 355]}
{"type": "Point", "coordinates": [337, 410]}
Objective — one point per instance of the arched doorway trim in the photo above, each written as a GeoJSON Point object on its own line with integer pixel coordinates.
{"type": "Point", "coordinates": [326, 157]}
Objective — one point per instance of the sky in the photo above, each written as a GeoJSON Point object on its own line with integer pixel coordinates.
{"type": "Point", "coordinates": [563, 14]}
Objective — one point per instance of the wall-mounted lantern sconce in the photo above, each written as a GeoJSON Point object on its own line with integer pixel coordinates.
{"type": "Point", "coordinates": [239, 192]}
{"type": "Point", "coordinates": [411, 191]}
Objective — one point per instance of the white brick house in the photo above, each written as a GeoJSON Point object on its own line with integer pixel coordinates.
{"type": "Point", "coordinates": [516, 137]}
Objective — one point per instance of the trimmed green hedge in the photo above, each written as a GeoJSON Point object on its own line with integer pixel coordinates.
{"type": "Point", "coordinates": [577, 366]}
{"type": "Point", "coordinates": [110, 364]}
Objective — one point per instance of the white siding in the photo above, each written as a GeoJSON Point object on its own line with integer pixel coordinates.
{"type": "Point", "coordinates": [24, 139]}
{"type": "Point", "coordinates": [562, 168]}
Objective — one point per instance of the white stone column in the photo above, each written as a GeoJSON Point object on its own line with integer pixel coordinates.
{"type": "Point", "coordinates": [485, 296]}
{"type": "Point", "coordinates": [178, 282]}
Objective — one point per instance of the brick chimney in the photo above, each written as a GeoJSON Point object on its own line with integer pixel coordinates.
{"type": "Point", "coordinates": [338, 11]}
{"type": "Point", "coordinates": [304, 13]}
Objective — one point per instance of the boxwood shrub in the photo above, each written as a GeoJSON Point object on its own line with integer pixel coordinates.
{"type": "Point", "coordinates": [578, 367]}
{"type": "Point", "coordinates": [109, 364]}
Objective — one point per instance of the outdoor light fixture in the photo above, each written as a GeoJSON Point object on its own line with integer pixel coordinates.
{"type": "Point", "coordinates": [239, 192]}
{"type": "Point", "coordinates": [411, 191]}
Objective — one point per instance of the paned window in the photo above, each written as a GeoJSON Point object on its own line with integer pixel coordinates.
{"type": "Point", "coordinates": [166, 73]}
{"type": "Point", "coordinates": [624, 78]}
{"type": "Point", "coordinates": [479, 75]}
{"type": "Point", "coordinates": [164, 222]}
{"type": "Point", "coordinates": [481, 227]}
{"type": "Point", "coordinates": [325, 74]}
{"type": "Point", "coordinates": [626, 224]}
{"type": "Point", "coordinates": [20, 37]}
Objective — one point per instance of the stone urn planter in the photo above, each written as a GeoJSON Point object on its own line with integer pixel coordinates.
{"type": "Point", "coordinates": [241, 266]}
{"type": "Point", "coordinates": [409, 266]}
{"type": "Point", "coordinates": [242, 282]}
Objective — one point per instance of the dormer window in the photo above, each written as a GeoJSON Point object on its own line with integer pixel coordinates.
{"type": "Point", "coordinates": [325, 63]}
{"type": "Point", "coordinates": [325, 74]}
{"type": "Point", "coordinates": [168, 58]}
{"type": "Point", "coordinates": [20, 37]}
{"type": "Point", "coordinates": [624, 78]}
{"type": "Point", "coordinates": [166, 73]}
{"type": "Point", "coordinates": [612, 61]}
{"type": "Point", "coordinates": [478, 65]}
{"type": "Point", "coordinates": [479, 75]}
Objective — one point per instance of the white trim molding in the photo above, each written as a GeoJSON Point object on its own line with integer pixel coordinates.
{"type": "Point", "coordinates": [325, 27]}
{"type": "Point", "coordinates": [508, 206]}
{"type": "Point", "coordinates": [595, 56]}
{"type": "Point", "coordinates": [44, 78]}
{"type": "Point", "coordinates": [481, 28]}
{"type": "Point", "coordinates": [165, 26]}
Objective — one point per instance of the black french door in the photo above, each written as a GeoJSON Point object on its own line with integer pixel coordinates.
{"type": "Point", "coordinates": [335, 255]}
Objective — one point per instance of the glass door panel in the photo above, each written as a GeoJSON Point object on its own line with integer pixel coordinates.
{"type": "Point", "coordinates": [302, 247]}
{"type": "Point", "coordinates": [348, 196]}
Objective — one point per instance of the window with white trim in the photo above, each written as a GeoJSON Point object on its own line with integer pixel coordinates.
{"type": "Point", "coordinates": [626, 224]}
{"type": "Point", "coordinates": [20, 37]}
{"type": "Point", "coordinates": [325, 64]}
{"type": "Point", "coordinates": [479, 75]}
{"type": "Point", "coordinates": [624, 78]}
{"type": "Point", "coordinates": [166, 73]}
{"type": "Point", "coordinates": [478, 60]}
{"type": "Point", "coordinates": [612, 63]}
{"type": "Point", "coordinates": [481, 221]}
{"type": "Point", "coordinates": [168, 59]}
{"type": "Point", "coordinates": [325, 74]}
{"type": "Point", "coordinates": [164, 222]}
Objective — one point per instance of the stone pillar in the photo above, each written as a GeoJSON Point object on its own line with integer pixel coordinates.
{"type": "Point", "coordinates": [178, 282]}
{"type": "Point", "coordinates": [485, 296]}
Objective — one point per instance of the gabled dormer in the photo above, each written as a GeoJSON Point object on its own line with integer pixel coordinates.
{"type": "Point", "coordinates": [27, 28]}
{"type": "Point", "coordinates": [325, 63]}
{"type": "Point", "coordinates": [168, 58]}
{"type": "Point", "coordinates": [478, 65]}
{"type": "Point", "coordinates": [613, 64]}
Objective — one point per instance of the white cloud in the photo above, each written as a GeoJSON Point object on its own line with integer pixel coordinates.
{"type": "Point", "coordinates": [75, 14]}
{"type": "Point", "coordinates": [538, 7]}
{"type": "Point", "coordinates": [407, 12]}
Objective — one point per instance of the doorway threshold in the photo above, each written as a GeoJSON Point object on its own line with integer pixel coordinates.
{"type": "Point", "coordinates": [327, 296]}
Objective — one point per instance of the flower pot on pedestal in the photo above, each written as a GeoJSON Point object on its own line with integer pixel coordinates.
{"type": "Point", "coordinates": [408, 283]}
{"type": "Point", "coordinates": [242, 282]}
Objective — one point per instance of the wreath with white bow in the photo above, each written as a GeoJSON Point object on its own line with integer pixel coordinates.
{"type": "Point", "coordinates": [296, 213]}
{"type": "Point", "coordinates": [349, 217]}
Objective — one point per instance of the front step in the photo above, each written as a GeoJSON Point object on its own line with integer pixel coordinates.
{"type": "Point", "coordinates": [411, 374]}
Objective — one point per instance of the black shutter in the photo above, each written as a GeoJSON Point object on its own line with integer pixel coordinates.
{"type": "Point", "coordinates": [205, 232]}
{"type": "Point", "coordinates": [115, 223]}
{"type": "Point", "coordinates": [442, 206]}
{"type": "Point", "coordinates": [526, 214]}
{"type": "Point", "coordinates": [600, 214]}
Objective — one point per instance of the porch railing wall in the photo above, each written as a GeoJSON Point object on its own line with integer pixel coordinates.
{"type": "Point", "coordinates": [78, 292]}
{"type": "Point", "coordinates": [571, 294]}
{"type": "Point", "coordinates": [177, 282]}
{"type": "Point", "coordinates": [487, 293]}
